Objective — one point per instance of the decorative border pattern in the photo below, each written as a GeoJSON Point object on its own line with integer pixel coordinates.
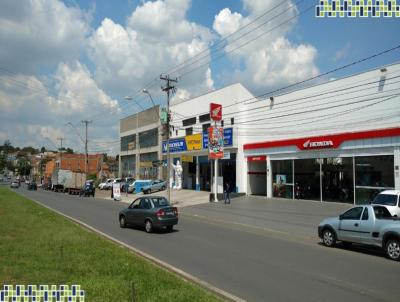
{"type": "Point", "coordinates": [42, 293]}
{"type": "Point", "coordinates": [357, 8]}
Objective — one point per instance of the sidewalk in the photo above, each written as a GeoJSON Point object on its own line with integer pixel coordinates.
{"type": "Point", "coordinates": [179, 198]}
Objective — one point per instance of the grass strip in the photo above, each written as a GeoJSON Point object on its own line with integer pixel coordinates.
{"type": "Point", "coordinates": [38, 246]}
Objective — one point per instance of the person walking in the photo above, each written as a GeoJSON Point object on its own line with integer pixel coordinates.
{"type": "Point", "coordinates": [227, 193]}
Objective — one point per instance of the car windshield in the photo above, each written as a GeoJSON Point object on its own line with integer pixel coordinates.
{"type": "Point", "coordinates": [385, 199]}
{"type": "Point", "coordinates": [159, 202]}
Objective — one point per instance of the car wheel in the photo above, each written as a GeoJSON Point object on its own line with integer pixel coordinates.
{"type": "Point", "coordinates": [163, 188]}
{"type": "Point", "coordinates": [328, 238]}
{"type": "Point", "coordinates": [392, 249]}
{"type": "Point", "coordinates": [122, 222]}
{"type": "Point", "coordinates": [148, 226]}
{"type": "Point", "coordinates": [170, 228]}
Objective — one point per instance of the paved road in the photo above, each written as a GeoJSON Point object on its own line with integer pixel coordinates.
{"type": "Point", "coordinates": [254, 263]}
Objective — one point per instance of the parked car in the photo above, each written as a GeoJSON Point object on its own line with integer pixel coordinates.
{"type": "Point", "coordinates": [370, 225]}
{"type": "Point", "coordinates": [155, 185]}
{"type": "Point", "coordinates": [390, 199]}
{"type": "Point", "coordinates": [152, 212]}
{"type": "Point", "coordinates": [88, 189]}
{"type": "Point", "coordinates": [131, 187]}
{"type": "Point", "coordinates": [106, 184]}
{"type": "Point", "coordinates": [32, 186]}
{"type": "Point", "coordinates": [126, 183]}
{"type": "Point", "coordinates": [14, 184]}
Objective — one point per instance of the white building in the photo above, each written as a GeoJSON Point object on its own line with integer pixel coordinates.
{"type": "Point", "coordinates": [335, 141]}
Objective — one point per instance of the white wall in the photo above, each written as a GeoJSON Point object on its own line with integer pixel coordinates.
{"type": "Point", "coordinates": [306, 112]}
{"type": "Point", "coordinates": [229, 97]}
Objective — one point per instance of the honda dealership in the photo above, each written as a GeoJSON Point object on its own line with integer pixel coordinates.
{"type": "Point", "coordinates": [338, 140]}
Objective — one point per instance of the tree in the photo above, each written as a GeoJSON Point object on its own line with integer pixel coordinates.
{"type": "Point", "coordinates": [69, 151]}
{"type": "Point", "coordinates": [7, 147]}
{"type": "Point", "coordinates": [30, 150]}
{"type": "Point", "coordinates": [42, 150]}
{"type": "Point", "coordinates": [24, 167]}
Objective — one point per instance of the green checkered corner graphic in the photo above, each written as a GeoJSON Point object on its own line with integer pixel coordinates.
{"type": "Point", "coordinates": [357, 8]}
{"type": "Point", "coordinates": [42, 293]}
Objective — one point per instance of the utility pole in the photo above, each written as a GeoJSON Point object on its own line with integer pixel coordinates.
{"type": "Point", "coordinates": [86, 122]}
{"type": "Point", "coordinates": [167, 88]}
{"type": "Point", "coordinates": [61, 140]}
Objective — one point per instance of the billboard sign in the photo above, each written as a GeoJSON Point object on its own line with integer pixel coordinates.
{"type": "Point", "coordinates": [215, 142]}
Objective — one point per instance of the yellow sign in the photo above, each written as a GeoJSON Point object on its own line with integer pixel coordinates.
{"type": "Point", "coordinates": [194, 142]}
{"type": "Point", "coordinates": [146, 164]}
{"type": "Point", "coordinates": [187, 158]}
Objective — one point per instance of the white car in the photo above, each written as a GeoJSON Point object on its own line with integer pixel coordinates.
{"type": "Point", "coordinates": [105, 185]}
{"type": "Point", "coordinates": [390, 199]}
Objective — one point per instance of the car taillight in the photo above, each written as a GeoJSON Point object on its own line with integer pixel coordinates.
{"type": "Point", "coordinates": [175, 211]}
{"type": "Point", "coordinates": [160, 213]}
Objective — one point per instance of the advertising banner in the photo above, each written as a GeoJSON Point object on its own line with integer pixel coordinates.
{"type": "Point", "coordinates": [193, 142]}
{"type": "Point", "coordinates": [175, 145]}
{"type": "Point", "coordinates": [228, 138]}
{"type": "Point", "coordinates": [116, 191]}
{"type": "Point", "coordinates": [187, 158]}
{"type": "Point", "coordinates": [215, 142]}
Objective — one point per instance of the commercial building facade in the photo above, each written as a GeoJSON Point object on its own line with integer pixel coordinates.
{"type": "Point", "coordinates": [338, 141]}
{"type": "Point", "coordinates": [140, 145]}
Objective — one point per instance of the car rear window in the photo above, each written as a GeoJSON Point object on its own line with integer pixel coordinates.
{"type": "Point", "coordinates": [386, 199]}
{"type": "Point", "coordinates": [160, 202]}
{"type": "Point", "coordinates": [382, 213]}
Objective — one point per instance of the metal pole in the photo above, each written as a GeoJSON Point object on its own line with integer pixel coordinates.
{"type": "Point", "coordinates": [216, 180]}
{"type": "Point", "coordinates": [138, 147]}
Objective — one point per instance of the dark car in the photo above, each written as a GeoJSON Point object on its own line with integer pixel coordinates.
{"type": "Point", "coordinates": [32, 186]}
{"type": "Point", "coordinates": [88, 189]}
{"type": "Point", "coordinates": [152, 212]}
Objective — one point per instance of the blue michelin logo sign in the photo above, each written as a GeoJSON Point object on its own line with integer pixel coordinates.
{"type": "Point", "coordinates": [228, 138]}
{"type": "Point", "coordinates": [175, 145]}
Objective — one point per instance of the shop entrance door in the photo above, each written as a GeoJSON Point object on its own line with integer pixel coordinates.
{"type": "Point", "coordinates": [257, 175]}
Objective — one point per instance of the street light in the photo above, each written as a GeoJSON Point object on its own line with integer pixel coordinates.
{"type": "Point", "coordinates": [137, 165]}
{"type": "Point", "coordinates": [145, 91]}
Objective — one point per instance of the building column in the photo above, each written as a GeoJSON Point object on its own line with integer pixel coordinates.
{"type": "Point", "coordinates": [397, 168]}
{"type": "Point", "coordinates": [269, 178]}
{"type": "Point", "coordinates": [197, 174]}
{"type": "Point", "coordinates": [119, 166]}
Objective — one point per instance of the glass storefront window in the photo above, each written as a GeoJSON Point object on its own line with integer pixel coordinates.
{"type": "Point", "coordinates": [337, 179]}
{"type": "Point", "coordinates": [128, 142]}
{"type": "Point", "coordinates": [373, 175]}
{"type": "Point", "coordinates": [282, 178]}
{"type": "Point", "coordinates": [148, 138]}
{"type": "Point", "coordinates": [307, 179]}
{"type": "Point", "coordinates": [128, 165]}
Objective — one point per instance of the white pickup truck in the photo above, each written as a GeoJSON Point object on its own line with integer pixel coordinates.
{"type": "Point", "coordinates": [371, 225]}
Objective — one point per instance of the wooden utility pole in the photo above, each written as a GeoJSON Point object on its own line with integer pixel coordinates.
{"type": "Point", "coordinates": [61, 140]}
{"type": "Point", "coordinates": [86, 122]}
{"type": "Point", "coordinates": [167, 88]}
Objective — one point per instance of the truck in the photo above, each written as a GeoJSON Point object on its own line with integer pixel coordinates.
{"type": "Point", "coordinates": [67, 181]}
{"type": "Point", "coordinates": [365, 224]}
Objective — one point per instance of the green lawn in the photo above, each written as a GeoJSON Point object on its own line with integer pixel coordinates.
{"type": "Point", "coordinates": [38, 246]}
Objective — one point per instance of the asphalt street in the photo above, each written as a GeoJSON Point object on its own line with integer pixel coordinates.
{"type": "Point", "coordinates": [235, 249]}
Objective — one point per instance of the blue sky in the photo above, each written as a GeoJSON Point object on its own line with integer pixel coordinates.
{"type": "Point", "coordinates": [66, 61]}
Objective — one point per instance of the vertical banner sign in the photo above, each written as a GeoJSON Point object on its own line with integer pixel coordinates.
{"type": "Point", "coordinates": [215, 142]}
{"type": "Point", "coordinates": [215, 112]}
{"type": "Point", "coordinates": [116, 191]}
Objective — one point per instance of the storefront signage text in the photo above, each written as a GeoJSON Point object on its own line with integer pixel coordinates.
{"type": "Point", "coordinates": [193, 142]}
{"type": "Point", "coordinates": [318, 144]}
{"type": "Point", "coordinates": [175, 145]}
